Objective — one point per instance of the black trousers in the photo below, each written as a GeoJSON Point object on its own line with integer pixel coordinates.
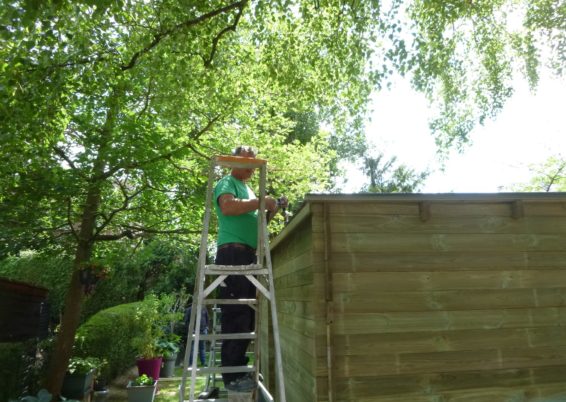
{"type": "Point", "coordinates": [236, 318]}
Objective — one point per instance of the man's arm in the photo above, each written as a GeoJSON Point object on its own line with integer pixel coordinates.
{"type": "Point", "coordinates": [230, 205]}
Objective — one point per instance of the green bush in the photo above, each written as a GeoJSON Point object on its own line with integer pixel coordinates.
{"type": "Point", "coordinates": [111, 334]}
{"type": "Point", "coordinates": [107, 335]}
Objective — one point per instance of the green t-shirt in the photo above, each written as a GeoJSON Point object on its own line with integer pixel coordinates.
{"type": "Point", "coordinates": [236, 228]}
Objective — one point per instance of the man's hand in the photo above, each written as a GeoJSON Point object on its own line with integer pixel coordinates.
{"type": "Point", "coordinates": [270, 204]}
{"type": "Point", "coordinates": [229, 205]}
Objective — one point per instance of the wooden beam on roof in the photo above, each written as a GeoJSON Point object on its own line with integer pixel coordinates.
{"type": "Point", "coordinates": [517, 210]}
{"type": "Point", "coordinates": [424, 211]}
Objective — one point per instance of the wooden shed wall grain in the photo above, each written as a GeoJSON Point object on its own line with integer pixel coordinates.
{"type": "Point", "coordinates": [431, 300]}
{"type": "Point", "coordinates": [298, 312]}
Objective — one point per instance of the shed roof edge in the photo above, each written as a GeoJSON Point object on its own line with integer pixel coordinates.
{"type": "Point", "coordinates": [438, 197]}
{"type": "Point", "coordinates": [305, 211]}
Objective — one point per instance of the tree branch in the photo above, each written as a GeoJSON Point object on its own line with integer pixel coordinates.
{"type": "Point", "coordinates": [132, 232]}
{"type": "Point", "coordinates": [64, 156]}
{"type": "Point", "coordinates": [146, 99]}
{"type": "Point", "coordinates": [69, 221]}
{"type": "Point", "coordinates": [183, 25]}
{"type": "Point", "coordinates": [117, 236]}
{"type": "Point", "coordinates": [135, 165]}
{"type": "Point", "coordinates": [124, 207]}
{"type": "Point", "coordinates": [158, 231]}
{"type": "Point", "coordinates": [207, 63]}
{"type": "Point", "coordinates": [555, 177]}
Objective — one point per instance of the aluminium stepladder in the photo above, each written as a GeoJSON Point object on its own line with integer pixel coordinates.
{"type": "Point", "coordinates": [263, 270]}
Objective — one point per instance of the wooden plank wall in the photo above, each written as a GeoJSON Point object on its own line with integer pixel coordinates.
{"type": "Point", "coordinates": [466, 303]}
{"type": "Point", "coordinates": [298, 312]}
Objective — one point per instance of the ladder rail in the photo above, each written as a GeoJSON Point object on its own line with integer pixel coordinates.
{"type": "Point", "coordinates": [275, 323]}
{"type": "Point", "coordinates": [199, 274]}
{"type": "Point", "coordinates": [263, 267]}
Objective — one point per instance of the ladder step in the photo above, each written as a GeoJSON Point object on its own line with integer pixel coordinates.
{"type": "Point", "coordinates": [230, 301]}
{"type": "Point", "coordinates": [252, 269]}
{"type": "Point", "coordinates": [214, 337]}
{"type": "Point", "coordinates": [223, 369]}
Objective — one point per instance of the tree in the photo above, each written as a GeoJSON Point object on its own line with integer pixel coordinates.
{"type": "Point", "coordinates": [466, 55]}
{"type": "Point", "coordinates": [113, 108]}
{"type": "Point", "coordinates": [385, 177]}
{"type": "Point", "coordinates": [110, 109]}
{"type": "Point", "coordinates": [547, 176]}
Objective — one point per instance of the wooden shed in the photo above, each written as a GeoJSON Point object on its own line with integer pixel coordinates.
{"type": "Point", "coordinates": [415, 297]}
{"type": "Point", "coordinates": [24, 311]}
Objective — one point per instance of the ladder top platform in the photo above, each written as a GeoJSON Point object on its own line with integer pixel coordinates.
{"type": "Point", "coordinates": [239, 161]}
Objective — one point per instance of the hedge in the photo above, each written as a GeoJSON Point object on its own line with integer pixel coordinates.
{"type": "Point", "coordinates": [108, 335]}
{"type": "Point", "coordinates": [111, 334]}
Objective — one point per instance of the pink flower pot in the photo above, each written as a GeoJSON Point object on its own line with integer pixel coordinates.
{"type": "Point", "coordinates": [150, 367]}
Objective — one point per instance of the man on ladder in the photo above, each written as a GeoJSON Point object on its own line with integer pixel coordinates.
{"type": "Point", "coordinates": [243, 258]}
{"type": "Point", "coordinates": [237, 210]}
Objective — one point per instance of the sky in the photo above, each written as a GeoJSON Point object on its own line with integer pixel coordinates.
{"type": "Point", "coordinates": [530, 128]}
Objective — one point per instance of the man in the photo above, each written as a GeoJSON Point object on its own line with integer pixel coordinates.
{"type": "Point", "coordinates": [203, 331]}
{"type": "Point", "coordinates": [237, 209]}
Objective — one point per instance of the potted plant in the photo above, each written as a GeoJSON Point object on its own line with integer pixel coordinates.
{"type": "Point", "coordinates": [141, 389]}
{"type": "Point", "coordinates": [169, 347]}
{"type": "Point", "coordinates": [101, 377]}
{"type": "Point", "coordinates": [145, 341]}
{"type": "Point", "coordinates": [79, 377]}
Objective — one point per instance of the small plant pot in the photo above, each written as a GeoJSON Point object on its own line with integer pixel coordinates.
{"type": "Point", "coordinates": [76, 386]}
{"type": "Point", "coordinates": [100, 384]}
{"type": "Point", "coordinates": [168, 367]}
{"type": "Point", "coordinates": [143, 393]}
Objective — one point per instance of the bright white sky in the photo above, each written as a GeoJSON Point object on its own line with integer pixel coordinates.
{"type": "Point", "coordinates": [530, 128]}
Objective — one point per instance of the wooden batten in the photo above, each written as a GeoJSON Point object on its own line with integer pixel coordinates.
{"type": "Point", "coordinates": [424, 211]}
{"type": "Point", "coordinates": [424, 297]}
{"type": "Point", "coordinates": [517, 210]}
{"type": "Point", "coordinates": [329, 299]}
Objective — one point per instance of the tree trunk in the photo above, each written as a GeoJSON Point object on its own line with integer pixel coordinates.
{"type": "Point", "coordinates": [73, 301]}
{"type": "Point", "coordinates": [85, 243]}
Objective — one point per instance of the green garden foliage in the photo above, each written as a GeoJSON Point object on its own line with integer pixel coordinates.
{"type": "Point", "coordinates": [108, 334]}
{"type": "Point", "coordinates": [49, 271]}
{"type": "Point", "coordinates": [158, 266]}
{"type": "Point", "coordinates": [11, 370]}
{"type": "Point", "coordinates": [21, 372]}
{"type": "Point", "coordinates": [116, 334]}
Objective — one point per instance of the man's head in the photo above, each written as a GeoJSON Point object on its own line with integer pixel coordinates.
{"type": "Point", "coordinates": [248, 152]}
{"type": "Point", "coordinates": [244, 150]}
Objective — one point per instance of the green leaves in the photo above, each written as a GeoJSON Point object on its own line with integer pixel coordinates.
{"type": "Point", "coordinates": [131, 98]}
{"type": "Point", "coordinates": [385, 177]}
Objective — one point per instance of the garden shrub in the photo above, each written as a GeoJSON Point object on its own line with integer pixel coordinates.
{"type": "Point", "coordinates": [110, 333]}
{"type": "Point", "coordinates": [107, 335]}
